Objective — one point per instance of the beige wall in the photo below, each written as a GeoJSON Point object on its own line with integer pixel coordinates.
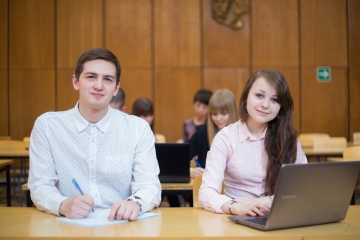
{"type": "Point", "coordinates": [170, 48]}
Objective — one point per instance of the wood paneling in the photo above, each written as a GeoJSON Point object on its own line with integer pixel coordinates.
{"type": "Point", "coordinates": [324, 104]}
{"type": "Point", "coordinates": [323, 33]}
{"type": "Point", "coordinates": [4, 34]}
{"type": "Point", "coordinates": [177, 33]}
{"type": "Point", "coordinates": [31, 94]}
{"type": "Point", "coordinates": [232, 78]}
{"type": "Point", "coordinates": [4, 107]}
{"type": "Point", "coordinates": [223, 46]}
{"type": "Point", "coordinates": [354, 103]}
{"type": "Point", "coordinates": [354, 33]}
{"type": "Point", "coordinates": [174, 92]}
{"type": "Point", "coordinates": [275, 33]}
{"type": "Point", "coordinates": [354, 65]}
{"type": "Point", "coordinates": [136, 83]}
{"type": "Point", "coordinates": [79, 27]}
{"type": "Point", "coordinates": [129, 32]}
{"type": "Point", "coordinates": [66, 95]}
{"type": "Point", "coordinates": [32, 34]}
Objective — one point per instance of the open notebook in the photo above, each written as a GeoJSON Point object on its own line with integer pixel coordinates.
{"type": "Point", "coordinates": [308, 194]}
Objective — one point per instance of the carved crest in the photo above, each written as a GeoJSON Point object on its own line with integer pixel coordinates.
{"type": "Point", "coordinates": [228, 12]}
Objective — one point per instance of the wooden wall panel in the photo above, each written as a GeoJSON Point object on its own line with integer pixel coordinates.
{"type": "Point", "coordinates": [177, 33]}
{"type": "Point", "coordinates": [66, 95]}
{"type": "Point", "coordinates": [323, 33]}
{"type": "Point", "coordinates": [79, 27]}
{"type": "Point", "coordinates": [222, 46]}
{"type": "Point", "coordinates": [4, 104]}
{"type": "Point", "coordinates": [275, 33]}
{"type": "Point", "coordinates": [232, 78]}
{"type": "Point", "coordinates": [354, 65]}
{"type": "Point", "coordinates": [324, 104]}
{"type": "Point", "coordinates": [31, 63]}
{"type": "Point", "coordinates": [31, 34]}
{"type": "Point", "coordinates": [174, 92]}
{"type": "Point", "coordinates": [4, 107]}
{"type": "Point", "coordinates": [354, 103]}
{"type": "Point", "coordinates": [354, 33]}
{"type": "Point", "coordinates": [4, 34]}
{"type": "Point", "coordinates": [136, 83]}
{"type": "Point", "coordinates": [25, 104]}
{"type": "Point", "coordinates": [129, 32]}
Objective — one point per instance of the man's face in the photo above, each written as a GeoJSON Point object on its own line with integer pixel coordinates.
{"type": "Point", "coordinates": [96, 84]}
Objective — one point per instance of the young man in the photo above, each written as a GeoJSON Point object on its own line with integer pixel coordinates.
{"type": "Point", "coordinates": [109, 153]}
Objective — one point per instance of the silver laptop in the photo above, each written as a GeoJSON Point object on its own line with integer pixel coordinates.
{"type": "Point", "coordinates": [308, 194]}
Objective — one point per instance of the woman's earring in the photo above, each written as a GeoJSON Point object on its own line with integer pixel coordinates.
{"type": "Point", "coordinates": [278, 116]}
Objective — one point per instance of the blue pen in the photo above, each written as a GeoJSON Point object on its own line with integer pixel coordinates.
{"type": "Point", "coordinates": [78, 188]}
{"type": "Point", "coordinates": [197, 163]}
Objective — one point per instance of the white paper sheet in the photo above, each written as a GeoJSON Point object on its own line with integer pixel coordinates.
{"type": "Point", "coordinates": [100, 218]}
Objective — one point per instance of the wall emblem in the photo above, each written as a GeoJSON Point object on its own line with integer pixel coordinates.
{"type": "Point", "coordinates": [228, 12]}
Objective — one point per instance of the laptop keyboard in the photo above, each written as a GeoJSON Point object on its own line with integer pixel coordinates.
{"type": "Point", "coordinates": [260, 221]}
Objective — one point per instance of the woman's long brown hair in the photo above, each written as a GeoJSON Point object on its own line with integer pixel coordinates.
{"type": "Point", "coordinates": [281, 136]}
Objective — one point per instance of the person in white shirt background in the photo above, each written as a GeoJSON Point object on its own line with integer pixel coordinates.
{"type": "Point", "coordinates": [110, 153]}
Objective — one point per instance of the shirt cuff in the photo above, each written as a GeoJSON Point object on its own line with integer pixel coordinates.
{"type": "Point", "coordinates": [217, 202]}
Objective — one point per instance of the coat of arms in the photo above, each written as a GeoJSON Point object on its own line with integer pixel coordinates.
{"type": "Point", "coordinates": [228, 12]}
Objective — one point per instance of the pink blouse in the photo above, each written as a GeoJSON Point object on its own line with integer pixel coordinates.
{"type": "Point", "coordinates": [240, 160]}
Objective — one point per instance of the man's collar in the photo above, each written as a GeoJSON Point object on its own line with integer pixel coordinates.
{"type": "Point", "coordinates": [81, 123]}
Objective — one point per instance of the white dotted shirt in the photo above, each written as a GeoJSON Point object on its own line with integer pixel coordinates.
{"type": "Point", "coordinates": [111, 160]}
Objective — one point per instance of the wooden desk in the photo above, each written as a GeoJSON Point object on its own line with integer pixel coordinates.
{"type": "Point", "coordinates": [24, 153]}
{"type": "Point", "coordinates": [177, 188]}
{"type": "Point", "coordinates": [167, 189]}
{"type": "Point", "coordinates": [5, 167]}
{"type": "Point", "coordinates": [340, 159]}
{"type": "Point", "coordinates": [309, 152]}
{"type": "Point", "coordinates": [182, 223]}
{"type": "Point", "coordinates": [16, 154]}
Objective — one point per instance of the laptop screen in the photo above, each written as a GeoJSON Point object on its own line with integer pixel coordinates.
{"type": "Point", "coordinates": [174, 162]}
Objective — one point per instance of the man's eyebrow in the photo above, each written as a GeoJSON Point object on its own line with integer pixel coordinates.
{"type": "Point", "coordinates": [93, 73]}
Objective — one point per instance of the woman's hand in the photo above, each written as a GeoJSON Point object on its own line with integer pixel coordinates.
{"type": "Point", "coordinates": [248, 206]}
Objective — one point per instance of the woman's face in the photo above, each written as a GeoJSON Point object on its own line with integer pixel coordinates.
{"type": "Point", "coordinates": [149, 118]}
{"type": "Point", "coordinates": [262, 104]}
{"type": "Point", "coordinates": [220, 119]}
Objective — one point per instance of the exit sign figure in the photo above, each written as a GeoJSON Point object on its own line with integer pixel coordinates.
{"type": "Point", "coordinates": [323, 74]}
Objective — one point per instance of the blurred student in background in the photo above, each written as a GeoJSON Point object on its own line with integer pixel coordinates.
{"type": "Point", "coordinates": [201, 102]}
{"type": "Point", "coordinates": [222, 112]}
{"type": "Point", "coordinates": [118, 101]}
{"type": "Point", "coordinates": [144, 109]}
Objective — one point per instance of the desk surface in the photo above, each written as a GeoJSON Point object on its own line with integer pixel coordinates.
{"type": "Point", "coordinates": [177, 186]}
{"type": "Point", "coordinates": [14, 153]}
{"type": "Point", "coordinates": [4, 163]}
{"type": "Point", "coordinates": [164, 186]}
{"type": "Point", "coordinates": [189, 223]}
{"type": "Point", "coordinates": [309, 151]}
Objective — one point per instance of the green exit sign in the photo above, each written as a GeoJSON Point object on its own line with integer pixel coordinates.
{"type": "Point", "coordinates": [323, 74]}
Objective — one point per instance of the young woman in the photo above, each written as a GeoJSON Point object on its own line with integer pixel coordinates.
{"type": "Point", "coordinates": [222, 112]}
{"type": "Point", "coordinates": [248, 154]}
{"type": "Point", "coordinates": [201, 107]}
